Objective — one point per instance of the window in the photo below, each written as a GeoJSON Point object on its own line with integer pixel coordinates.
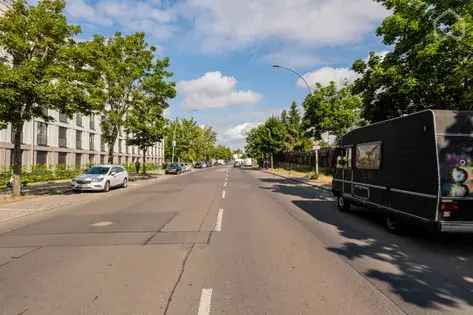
{"type": "Point", "coordinates": [13, 136]}
{"type": "Point", "coordinates": [62, 137]}
{"type": "Point", "coordinates": [120, 146]}
{"type": "Point", "coordinates": [63, 118]}
{"type": "Point", "coordinates": [91, 159]}
{"type": "Point", "coordinates": [42, 137]}
{"type": "Point", "coordinates": [92, 122]}
{"type": "Point", "coordinates": [41, 157]}
{"type": "Point", "coordinates": [78, 139]}
{"type": "Point", "coordinates": [368, 156]}
{"type": "Point", "coordinates": [78, 160]}
{"type": "Point", "coordinates": [78, 120]}
{"type": "Point", "coordinates": [91, 142]}
{"type": "Point", "coordinates": [102, 144]}
{"type": "Point", "coordinates": [102, 159]}
{"type": "Point", "coordinates": [62, 159]}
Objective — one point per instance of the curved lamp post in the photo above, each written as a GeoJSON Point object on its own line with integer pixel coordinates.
{"type": "Point", "coordinates": [296, 73]}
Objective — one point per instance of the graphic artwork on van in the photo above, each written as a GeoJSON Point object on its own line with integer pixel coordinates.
{"type": "Point", "coordinates": [456, 167]}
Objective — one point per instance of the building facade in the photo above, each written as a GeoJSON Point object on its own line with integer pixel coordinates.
{"type": "Point", "coordinates": [74, 143]}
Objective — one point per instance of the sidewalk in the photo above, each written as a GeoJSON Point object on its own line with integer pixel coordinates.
{"type": "Point", "coordinates": [324, 181]}
{"type": "Point", "coordinates": [16, 207]}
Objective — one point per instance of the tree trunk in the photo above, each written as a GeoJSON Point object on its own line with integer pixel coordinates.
{"type": "Point", "coordinates": [144, 161]}
{"type": "Point", "coordinates": [17, 159]}
{"type": "Point", "coordinates": [111, 146]}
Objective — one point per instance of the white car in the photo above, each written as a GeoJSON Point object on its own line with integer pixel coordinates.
{"type": "Point", "coordinates": [101, 178]}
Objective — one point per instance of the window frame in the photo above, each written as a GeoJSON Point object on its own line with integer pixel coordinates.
{"type": "Point", "coordinates": [379, 163]}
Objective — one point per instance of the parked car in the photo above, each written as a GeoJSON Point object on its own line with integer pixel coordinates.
{"type": "Point", "coordinates": [101, 178]}
{"type": "Point", "coordinates": [198, 165]}
{"type": "Point", "coordinates": [174, 168]}
{"type": "Point", "coordinates": [237, 164]}
{"type": "Point", "coordinates": [416, 168]}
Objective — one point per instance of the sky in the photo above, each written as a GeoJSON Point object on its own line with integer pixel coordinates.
{"type": "Point", "coordinates": [222, 51]}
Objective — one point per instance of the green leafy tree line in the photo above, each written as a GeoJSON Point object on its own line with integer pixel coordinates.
{"type": "Point", "coordinates": [43, 67]}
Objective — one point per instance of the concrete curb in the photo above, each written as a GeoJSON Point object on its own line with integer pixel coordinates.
{"type": "Point", "coordinates": [297, 180]}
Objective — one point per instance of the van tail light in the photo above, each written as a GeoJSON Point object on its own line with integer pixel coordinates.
{"type": "Point", "coordinates": [447, 208]}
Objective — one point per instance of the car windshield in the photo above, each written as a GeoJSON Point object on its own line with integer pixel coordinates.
{"type": "Point", "coordinates": [456, 166]}
{"type": "Point", "coordinates": [173, 165]}
{"type": "Point", "coordinates": [97, 170]}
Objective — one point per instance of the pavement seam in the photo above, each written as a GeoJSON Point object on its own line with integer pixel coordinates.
{"type": "Point", "coordinates": [179, 278]}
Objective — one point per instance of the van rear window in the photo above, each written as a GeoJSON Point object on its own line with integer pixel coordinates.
{"type": "Point", "coordinates": [368, 156]}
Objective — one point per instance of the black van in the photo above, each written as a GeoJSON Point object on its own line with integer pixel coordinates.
{"type": "Point", "coordinates": [417, 167]}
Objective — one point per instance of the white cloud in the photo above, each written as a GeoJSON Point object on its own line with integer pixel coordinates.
{"type": "Point", "coordinates": [214, 90]}
{"type": "Point", "coordinates": [325, 75]}
{"type": "Point", "coordinates": [132, 16]}
{"type": "Point", "coordinates": [238, 132]}
{"type": "Point", "coordinates": [229, 24]}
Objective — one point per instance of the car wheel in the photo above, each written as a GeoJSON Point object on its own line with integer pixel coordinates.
{"type": "Point", "coordinates": [106, 188]}
{"type": "Point", "coordinates": [393, 224]}
{"type": "Point", "coordinates": [343, 204]}
{"type": "Point", "coordinates": [125, 183]}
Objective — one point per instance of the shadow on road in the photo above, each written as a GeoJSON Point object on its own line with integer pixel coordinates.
{"type": "Point", "coordinates": [425, 270]}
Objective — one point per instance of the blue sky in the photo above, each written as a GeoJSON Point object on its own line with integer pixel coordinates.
{"type": "Point", "coordinates": [222, 50]}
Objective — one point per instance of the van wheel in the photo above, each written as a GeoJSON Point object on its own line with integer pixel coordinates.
{"type": "Point", "coordinates": [343, 204]}
{"type": "Point", "coordinates": [106, 188]}
{"type": "Point", "coordinates": [393, 224]}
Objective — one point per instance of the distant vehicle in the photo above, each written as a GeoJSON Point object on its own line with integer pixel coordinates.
{"type": "Point", "coordinates": [248, 162]}
{"type": "Point", "coordinates": [174, 168]}
{"type": "Point", "coordinates": [412, 168]}
{"type": "Point", "coordinates": [198, 165]}
{"type": "Point", "coordinates": [237, 164]}
{"type": "Point", "coordinates": [101, 178]}
{"type": "Point", "coordinates": [204, 164]}
{"type": "Point", "coordinates": [220, 162]}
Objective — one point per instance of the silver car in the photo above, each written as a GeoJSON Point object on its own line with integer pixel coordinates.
{"type": "Point", "coordinates": [101, 178]}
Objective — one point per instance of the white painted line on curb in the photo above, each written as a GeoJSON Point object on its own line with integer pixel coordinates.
{"type": "Point", "coordinates": [218, 225]}
{"type": "Point", "coordinates": [205, 302]}
{"type": "Point", "coordinates": [223, 194]}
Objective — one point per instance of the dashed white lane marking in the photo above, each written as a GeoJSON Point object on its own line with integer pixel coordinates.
{"type": "Point", "coordinates": [225, 184]}
{"type": "Point", "coordinates": [103, 223]}
{"type": "Point", "coordinates": [223, 194]}
{"type": "Point", "coordinates": [218, 225]}
{"type": "Point", "coordinates": [205, 302]}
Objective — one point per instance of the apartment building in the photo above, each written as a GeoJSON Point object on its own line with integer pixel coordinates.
{"type": "Point", "coordinates": [74, 142]}
{"type": "Point", "coordinates": [68, 142]}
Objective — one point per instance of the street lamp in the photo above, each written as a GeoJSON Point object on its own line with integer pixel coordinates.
{"type": "Point", "coordinates": [296, 73]}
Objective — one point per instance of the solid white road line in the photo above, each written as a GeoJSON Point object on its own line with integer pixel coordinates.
{"type": "Point", "coordinates": [218, 225]}
{"type": "Point", "coordinates": [223, 194]}
{"type": "Point", "coordinates": [205, 302]}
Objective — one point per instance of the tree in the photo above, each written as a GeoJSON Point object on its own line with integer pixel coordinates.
{"type": "Point", "coordinates": [223, 153]}
{"type": "Point", "coordinates": [267, 139]}
{"type": "Point", "coordinates": [145, 122]}
{"type": "Point", "coordinates": [42, 68]}
{"type": "Point", "coordinates": [331, 110]}
{"type": "Point", "coordinates": [122, 62]}
{"type": "Point", "coordinates": [296, 139]}
{"type": "Point", "coordinates": [430, 66]}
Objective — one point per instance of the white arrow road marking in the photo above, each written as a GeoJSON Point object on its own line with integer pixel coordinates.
{"type": "Point", "coordinates": [103, 223]}
{"type": "Point", "coordinates": [218, 225]}
{"type": "Point", "coordinates": [205, 302]}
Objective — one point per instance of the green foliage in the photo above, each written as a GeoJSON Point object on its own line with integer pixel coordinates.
{"type": "Point", "coordinates": [42, 67]}
{"type": "Point", "coordinates": [126, 68]}
{"type": "Point", "coordinates": [266, 139]}
{"type": "Point", "coordinates": [145, 122]}
{"type": "Point", "coordinates": [296, 140]}
{"type": "Point", "coordinates": [331, 110]}
{"type": "Point", "coordinates": [222, 153]}
{"type": "Point", "coordinates": [430, 65]}
{"type": "Point", "coordinates": [40, 173]}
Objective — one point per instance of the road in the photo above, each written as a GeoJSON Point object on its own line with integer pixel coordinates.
{"type": "Point", "coordinates": [226, 241]}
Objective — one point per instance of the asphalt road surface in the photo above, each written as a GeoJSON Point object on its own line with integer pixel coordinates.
{"type": "Point", "coordinates": [226, 241]}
